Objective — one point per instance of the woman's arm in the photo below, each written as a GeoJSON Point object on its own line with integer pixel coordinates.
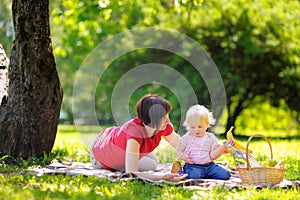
{"type": "Point", "coordinates": [132, 155]}
{"type": "Point", "coordinates": [173, 139]}
{"type": "Point", "coordinates": [131, 164]}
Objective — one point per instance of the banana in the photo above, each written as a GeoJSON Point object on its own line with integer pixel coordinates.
{"type": "Point", "coordinates": [237, 145]}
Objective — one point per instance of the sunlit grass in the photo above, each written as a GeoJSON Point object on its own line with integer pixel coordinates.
{"type": "Point", "coordinates": [19, 187]}
{"type": "Point", "coordinates": [69, 144]}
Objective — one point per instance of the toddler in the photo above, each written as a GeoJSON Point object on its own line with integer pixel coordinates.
{"type": "Point", "coordinates": [199, 148]}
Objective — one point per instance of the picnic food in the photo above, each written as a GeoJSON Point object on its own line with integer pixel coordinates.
{"type": "Point", "coordinates": [270, 163]}
{"type": "Point", "coordinates": [240, 157]}
{"type": "Point", "coordinates": [229, 136]}
{"type": "Point", "coordinates": [176, 167]}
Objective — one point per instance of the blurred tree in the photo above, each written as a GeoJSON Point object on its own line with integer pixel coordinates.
{"type": "Point", "coordinates": [254, 44]}
{"type": "Point", "coordinates": [29, 118]}
{"type": "Point", "coordinates": [81, 25]}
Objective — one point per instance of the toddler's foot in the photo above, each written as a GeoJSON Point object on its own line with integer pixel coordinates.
{"type": "Point", "coordinates": [176, 167]}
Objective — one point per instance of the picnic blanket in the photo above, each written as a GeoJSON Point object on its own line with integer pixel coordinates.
{"type": "Point", "coordinates": [85, 169]}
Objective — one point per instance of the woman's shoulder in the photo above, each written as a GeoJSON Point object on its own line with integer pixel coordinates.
{"type": "Point", "coordinates": [136, 120]}
{"type": "Point", "coordinates": [133, 126]}
{"type": "Point", "coordinates": [169, 127]}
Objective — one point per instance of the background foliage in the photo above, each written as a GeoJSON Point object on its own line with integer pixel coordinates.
{"type": "Point", "coordinates": [255, 45]}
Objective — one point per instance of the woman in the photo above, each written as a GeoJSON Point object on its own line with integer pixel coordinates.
{"type": "Point", "coordinates": [129, 147]}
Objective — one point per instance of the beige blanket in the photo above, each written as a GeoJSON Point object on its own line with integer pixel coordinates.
{"type": "Point", "coordinates": [79, 168]}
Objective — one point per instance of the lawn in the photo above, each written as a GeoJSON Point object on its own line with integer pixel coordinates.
{"type": "Point", "coordinates": [15, 183]}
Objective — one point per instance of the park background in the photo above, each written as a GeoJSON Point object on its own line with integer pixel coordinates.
{"type": "Point", "coordinates": [255, 45]}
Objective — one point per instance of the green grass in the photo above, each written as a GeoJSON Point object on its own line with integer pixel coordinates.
{"type": "Point", "coordinates": [15, 183]}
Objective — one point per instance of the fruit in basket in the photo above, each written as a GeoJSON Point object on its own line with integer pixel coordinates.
{"type": "Point", "coordinates": [279, 165]}
{"type": "Point", "coordinates": [270, 163]}
{"type": "Point", "coordinates": [229, 136]}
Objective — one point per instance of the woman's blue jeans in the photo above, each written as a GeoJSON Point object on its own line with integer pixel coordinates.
{"type": "Point", "coordinates": [206, 171]}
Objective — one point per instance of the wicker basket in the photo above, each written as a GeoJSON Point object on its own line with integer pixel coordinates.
{"type": "Point", "coordinates": [260, 175]}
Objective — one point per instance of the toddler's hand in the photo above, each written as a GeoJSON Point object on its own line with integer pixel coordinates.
{"type": "Point", "coordinates": [187, 158]}
{"type": "Point", "coordinates": [227, 144]}
{"type": "Point", "coordinates": [232, 142]}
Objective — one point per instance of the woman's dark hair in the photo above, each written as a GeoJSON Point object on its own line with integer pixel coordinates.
{"type": "Point", "coordinates": [151, 109]}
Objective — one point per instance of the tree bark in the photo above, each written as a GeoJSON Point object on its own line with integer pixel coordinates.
{"type": "Point", "coordinates": [28, 122]}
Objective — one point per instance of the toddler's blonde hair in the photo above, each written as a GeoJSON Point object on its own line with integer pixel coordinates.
{"type": "Point", "coordinates": [198, 113]}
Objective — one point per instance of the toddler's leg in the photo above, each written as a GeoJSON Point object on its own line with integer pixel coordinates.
{"type": "Point", "coordinates": [148, 162]}
{"type": "Point", "coordinates": [194, 171]}
{"type": "Point", "coordinates": [215, 171]}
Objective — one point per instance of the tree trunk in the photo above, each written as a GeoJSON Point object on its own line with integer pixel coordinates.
{"type": "Point", "coordinates": [242, 104]}
{"type": "Point", "coordinates": [28, 122]}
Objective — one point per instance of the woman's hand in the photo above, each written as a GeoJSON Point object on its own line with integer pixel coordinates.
{"type": "Point", "coordinates": [174, 177]}
{"type": "Point", "coordinates": [157, 177]}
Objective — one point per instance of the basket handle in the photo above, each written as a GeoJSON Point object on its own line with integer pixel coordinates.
{"type": "Point", "coordinates": [247, 152]}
